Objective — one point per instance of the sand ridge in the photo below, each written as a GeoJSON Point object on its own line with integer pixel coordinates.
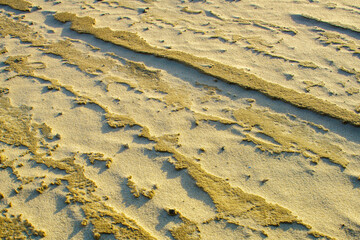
{"type": "Point", "coordinates": [143, 148]}
{"type": "Point", "coordinates": [226, 73]}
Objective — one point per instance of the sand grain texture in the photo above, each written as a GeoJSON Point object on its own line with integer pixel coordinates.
{"type": "Point", "coordinates": [179, 119]}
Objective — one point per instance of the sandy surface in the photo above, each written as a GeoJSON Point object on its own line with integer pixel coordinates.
{"type": "Point", "coordinates": [179, 119]}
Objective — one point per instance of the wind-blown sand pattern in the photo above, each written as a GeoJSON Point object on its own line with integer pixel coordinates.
{"type": "Point", "coordinates": [179, 119]}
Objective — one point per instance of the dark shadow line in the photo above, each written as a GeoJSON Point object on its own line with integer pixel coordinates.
{"type": "Point", "coordinates": [308, 21]}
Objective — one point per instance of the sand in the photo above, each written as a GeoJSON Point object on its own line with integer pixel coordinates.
{"type": "Point", "coordinates": [179, 119]}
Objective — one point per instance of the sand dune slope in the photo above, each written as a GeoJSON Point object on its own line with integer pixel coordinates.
{"type": "Point", "coordinates": [180, 120]}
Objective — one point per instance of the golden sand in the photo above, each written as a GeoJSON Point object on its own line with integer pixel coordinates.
{"type": "Point", "coordinates": [131, 145]}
